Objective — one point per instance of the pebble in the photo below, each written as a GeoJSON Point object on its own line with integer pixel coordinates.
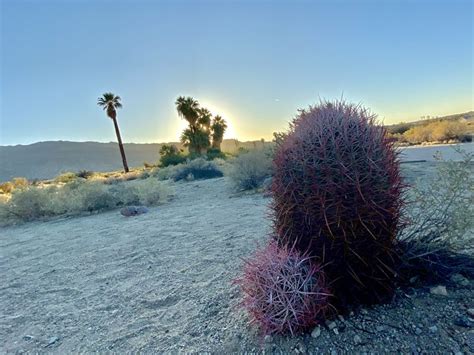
{"type": "Point", "coordinates": [418, 331]}
{"type": "Point", "coordinates": [336, 331]}
{"type": "Point", "coordinates": [460, 280]}
{"type": "Point", "coordinates": [439, 290]}
{"type": "Point", "coordinates": [130, 211]}
{"type": "Point", "coordinates": [331, 325]}
{"type": "Point", "coordinates": [379, 328]}
{"type": "Point", "coordinates": [464, 322]}
{"type": "Point", "coordinates": [470, 311]}
{"type": "Point", "coordinates": [52, 340]}
{"type": "Point", "coordinates": [357, 340]}
{"type": "Point", "coordinates": [433, 329]}
{"type": "Point", "coordinates": [268, 338]}
{"type": "Point", "coordinates": [316, 332]}
{"type": "Point", "coordinates": [340, 317]}
{"type": "Point", "coordinates": [28, 337]}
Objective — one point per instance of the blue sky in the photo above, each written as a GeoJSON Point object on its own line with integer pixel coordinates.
{"type": "Point", "coordinates": [254, 62]}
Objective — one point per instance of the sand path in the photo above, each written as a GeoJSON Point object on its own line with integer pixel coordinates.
{"type": "Point", "coordinates": [156, 282]}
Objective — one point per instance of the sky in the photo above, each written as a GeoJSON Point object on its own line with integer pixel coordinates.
{"type": "Point", "coordinates": [254, 62]}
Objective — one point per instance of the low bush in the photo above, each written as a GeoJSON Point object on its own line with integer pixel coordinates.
{"type": "Point", "coordinates": [65, 178]}
{"type": "Point", "coordinates": [283, 290]}
{"type": "Point", "coordinates": [6, 187]}
{"type": "Point", "coordinates": [440, 131]}
{"type": "Point", "coordinates": [85, 174]}
{"type": "Point", "coordinates": [77, 197]}
{"type": "Point", "coordinates": [438, 239]}
{"type": "Point", "coordinates": [199, 168]}
{"type": "Point", "coordinates": [214, 153]}
{"type": "Point", "coordinates": [15, 183]}
{"type": "Point", "coordinates": [249, 170]}
{"type": "Point", "coordinates": [170, 155]}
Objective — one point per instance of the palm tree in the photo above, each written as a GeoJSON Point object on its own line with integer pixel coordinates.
{"type": "Point", "coordinates": [110, 103]}
{"type": "Point", "coordinates": [188, 108]}
{"type": "Point", "coordinates": [204, 119]}
{"type": "Point", "coordinates": [196, 137]}
{"type": "Point", "coordinates": [218, 129]}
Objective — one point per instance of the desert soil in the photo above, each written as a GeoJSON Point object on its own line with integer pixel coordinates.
{"type": "Point", "coordinates": [161, 282]}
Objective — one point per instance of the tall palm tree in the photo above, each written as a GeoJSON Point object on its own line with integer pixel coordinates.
{"type": "Point", "coordinates": [218, 127]}
{"type": "Point", "coordinates": [110, 103]}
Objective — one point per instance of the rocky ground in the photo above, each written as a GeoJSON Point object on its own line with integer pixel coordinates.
{"type": "Point", "coordinates": [162, 282]}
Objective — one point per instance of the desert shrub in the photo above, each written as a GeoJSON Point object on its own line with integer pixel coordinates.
{"type": "Point", "coordinates": [170, 155]}
{"type": "Point", "coordinates": [337, 194]}
{"type": "Point", "coordinates": [20, 182]}
{"type": "Point", "coordinates": [77, 197]}
{"type": "Point", "coordinates": [283, 290]}
{"type": "Point", "coordinates": [438, 239]}
{"type": "Point", "coordinates": [399, 129]}
{"type": "Point", "coordinates": [65, 178]}
{"type": "Point", "coordinates": [32, 203]}
{"type": "Point", "coordinates": [214, 153]}
{"type": "Point", "coordinates": [85, 174]}
{"type": "Point", "coordinates": [151, 192]}
{"type": "Point", "coordinates": [199, 168]}
{"type": "Point", "coordinates": [438, 131]}
{"type": "Point", "coordinates": [6, 187]}
{"type": "Point", "coordinates": [249, 170]}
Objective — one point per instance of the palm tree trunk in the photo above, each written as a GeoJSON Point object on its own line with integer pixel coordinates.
{"type": "Point", "coordinates": [122, 151]}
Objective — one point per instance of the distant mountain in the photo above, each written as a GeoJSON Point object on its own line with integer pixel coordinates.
{"type": "Point", "coordinates": [45, 160]}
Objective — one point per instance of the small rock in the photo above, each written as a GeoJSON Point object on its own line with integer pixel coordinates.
{"type": "Point", "coordinates": [433, 329]}
{"type": "Point", "coordinates": [333, 352]}
{"type": "Point", "coordinates": [331, 325]}
{"type": "Point", "coordinates": [460, 280]}
{"type": "Point", "coordinates": [52, 340]}
{"type": "Point", "coordinates": [418, 331]}
{"type": "Point", "coordinates": [470, 340]}
{"type": "Point", "coordinates": [130, 211]}
{"type": "Point", "coordinates": [316, 332]}
{"type": "Point", "coordinates": [341, 317]}
{"type": "Point", "coordinates": [439, 290]}
{"type": "Point", "coordinates": [470, 311]}
{"type": "Point", "coordinates": [28, 337]}
{"type": "Point", "coordinates": [357, 340]}
{"type": "Point", "coordinates": [336, 331]}
{"type": "Point", "coordinates": [268, 339]}
{"type": "Point", "coordinates": [364, 311]}
{"type": "Point", "coordinates": [464, 322]}
{"type": "Point", "coordinates": [380, 328]}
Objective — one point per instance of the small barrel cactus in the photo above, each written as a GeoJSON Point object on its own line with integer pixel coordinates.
{"type": "Point", "coordinates": [283, 290]}
{"type": "Point", "coordinates": [337, 195]}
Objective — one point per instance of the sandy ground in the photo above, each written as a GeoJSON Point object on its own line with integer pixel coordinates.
{"type": "Point", "coordinates": [161, 282]}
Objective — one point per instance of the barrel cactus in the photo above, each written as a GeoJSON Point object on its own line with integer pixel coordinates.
{"type": "Point", "coordinates": [337, 195]}
{"type": "Point", "coordinates": [284, 291]}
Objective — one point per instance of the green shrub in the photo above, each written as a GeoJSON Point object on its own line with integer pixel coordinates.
{"type": "Point", "coordinates": [215, 153]}
{"type": "Point", "coordinates": [249, 170]}
{"type": "Point", "coordinates": [170, 155]}
{"type": "Point", "coordinates": [199, 168]}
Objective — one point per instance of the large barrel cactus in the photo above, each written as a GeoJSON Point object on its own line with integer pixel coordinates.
{"type": "Point", "coordinates": [337, 195]}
